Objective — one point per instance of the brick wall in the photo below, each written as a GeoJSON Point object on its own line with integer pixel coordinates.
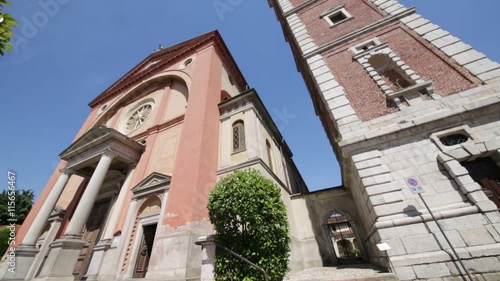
{"type": "Point", "coordinates": [367, 99]}
{"type": "Point", "coordinates": [319, 29]}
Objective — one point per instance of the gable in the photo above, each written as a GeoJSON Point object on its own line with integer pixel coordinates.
{"type": "Point", "coordinates": [154, 183]}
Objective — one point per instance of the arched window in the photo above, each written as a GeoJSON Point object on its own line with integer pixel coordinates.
{"type": "Point", "coordinates": [238, 136]}
{"type": "Point", "coordinates": [390, 72]}
{"type": "Point", "coordinates": [269, 155]}
{"type": "Point", "coordinates": [343, 237]}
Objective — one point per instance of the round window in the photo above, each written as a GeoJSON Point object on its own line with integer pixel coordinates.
{"type": "Point", "coordinates": [453, 139]}
{"type": "Point", "coordinates": [138, 116]}
{"type": "Point", "coordinates": [187, 63]}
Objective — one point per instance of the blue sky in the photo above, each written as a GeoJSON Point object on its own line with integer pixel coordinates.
{"type": "Point", "coordinates": [68, 52]}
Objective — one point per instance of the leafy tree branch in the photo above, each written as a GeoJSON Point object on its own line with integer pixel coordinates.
{"type": "Point", "coordinates": [7, 23]}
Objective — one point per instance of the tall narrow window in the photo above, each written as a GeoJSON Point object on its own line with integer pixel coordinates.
{"type": "Point", "coordinates": [238, 136]}
{"type": "Point", "coordinates": [269, 155]}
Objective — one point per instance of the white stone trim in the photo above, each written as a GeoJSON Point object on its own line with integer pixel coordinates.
{"type": "Point", "coordinates": [299, 31]}
{"type": "Point", "coordinates": [285, 5]}
{"type": "Point", "coordinates": [187, 62]}
{"type": "Point", "coordinates": [333, 12]}
{"type": "Point", "coordinates": [371, 43]}
{"type": "Point", "coordinates": [411, 94]}
{"type": "Point", "coordinates": [435, 137]}
{"type": "Point", "coordinates": [451, 160]}
{"type": "Point", "coordinates": [122, 127]}
{"type": "Point", "coordinates": [333, 94]}
{"type": "Point", "coordinates": [475, 62]}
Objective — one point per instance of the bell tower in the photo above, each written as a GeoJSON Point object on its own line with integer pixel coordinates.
{"type": "Point", "coordinates": [400, 97]}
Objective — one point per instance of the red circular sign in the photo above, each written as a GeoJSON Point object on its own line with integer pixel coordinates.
{"type": "Point", "coordinates": [412, 181]}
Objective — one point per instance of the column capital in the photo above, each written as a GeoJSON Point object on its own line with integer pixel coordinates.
{"type": "Point", "coordinates": [67, 171]}
{"type": "Point", "coordinates": [110, 153]}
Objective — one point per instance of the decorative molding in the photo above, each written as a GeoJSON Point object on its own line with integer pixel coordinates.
{"type": "Point", "coordinates": [321, 49]}
{"type": "Point", "coordinates": [332, 92]}
{"type": "Point", "coordinates": [167, 57]}
{"type": "Point", "coordinates": [252, 162]}
{"type": "Point", "coordinates": [465, 129]}
{"type": "Point", "coordinates": [97, 141]}
{"type": "Point", "coordinates": [452, 160]}
{"type": "Point", "coordinates": [411, 93]}
{"type": "Point", "coordinates": [336, 10]}
{"type": "Point", "coordinates": [464, 55]}
{"type": "Point", "coordinates": [331, 10]}
{"type": "Point", "coordinates": [152, 184]}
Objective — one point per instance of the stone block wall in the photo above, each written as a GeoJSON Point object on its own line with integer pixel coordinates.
{"type": "Point", "coordinates": [392, 214]}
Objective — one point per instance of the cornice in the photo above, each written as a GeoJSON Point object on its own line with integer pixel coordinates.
{"type": "Point", "coordinates": [168, 57]}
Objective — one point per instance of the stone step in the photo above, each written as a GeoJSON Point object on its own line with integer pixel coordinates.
{"type": "Point", "coordinates": [356, 272]}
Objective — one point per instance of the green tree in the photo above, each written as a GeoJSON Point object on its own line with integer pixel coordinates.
{"type": "Point", "coordinates": [250, 219]}
{"type": "Point", "coordinates": [7, 23]}
{"type": "Point", "coordinates": [23, 201]}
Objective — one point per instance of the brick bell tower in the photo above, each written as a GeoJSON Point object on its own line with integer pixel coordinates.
{"type": "Point", "coordinates": [401, 98]}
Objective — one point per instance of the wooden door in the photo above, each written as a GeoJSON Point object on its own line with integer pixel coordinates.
{"type": "Point", "coordinates": [91, 234]}
{"type": "Point", "coordinates": [144, 253]}
{"type": "Point", "coordinates": [486, 172]}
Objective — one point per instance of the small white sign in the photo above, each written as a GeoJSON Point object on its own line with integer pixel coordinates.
{"type": "Point", "coordinates": [414, 185]}
{"type": "Point", "coordinates": [383, 246]}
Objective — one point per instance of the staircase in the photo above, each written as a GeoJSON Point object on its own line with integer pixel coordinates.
{"type": "Point", "coordinates": [356, 272]}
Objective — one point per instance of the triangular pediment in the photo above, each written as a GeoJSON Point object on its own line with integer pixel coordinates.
{"type": "Point", "coordinates": [97, 140]}
{"type": "Point", "coordinates": [153, 183]}
{"type": "Point", "coordinates": [164, 58]}
{"type": "Point", "coordinates": [332, 9]}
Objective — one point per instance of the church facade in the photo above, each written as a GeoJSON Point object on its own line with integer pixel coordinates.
{"type": "Point", "coordinates": [413, 115]}
{"type": "Point", "coordinates": [128, 200]}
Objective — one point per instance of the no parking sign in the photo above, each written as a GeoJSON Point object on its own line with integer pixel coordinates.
{"type": "Point", "coordinates": [414, 185]}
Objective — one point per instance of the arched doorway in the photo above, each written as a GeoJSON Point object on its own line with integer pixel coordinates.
{"type": "Point", "coordinates": [343, 237]}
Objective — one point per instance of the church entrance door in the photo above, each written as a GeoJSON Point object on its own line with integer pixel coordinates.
{"type": "Point", "coordinates": [91, 235]}
{"type": "Point", "coordinates": [145, 249]}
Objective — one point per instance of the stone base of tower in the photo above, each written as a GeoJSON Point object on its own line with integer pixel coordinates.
{"type": "Point", "coordinates": [419, 251]}
{"type": "Point", "coordinates": [392, 214]}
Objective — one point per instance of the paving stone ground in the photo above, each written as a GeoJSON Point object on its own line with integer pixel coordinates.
{"type": "Point", "coordinates": [342, 273]}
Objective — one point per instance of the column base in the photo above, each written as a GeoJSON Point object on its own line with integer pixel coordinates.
{"type": "Point", "coordinates": [208, 248]}
{"type": "Point", "coordinates": [18, 262]}
{"type": "Point", "coordinates": [62, 257]}
{"type": "Point", "coordinates": [97, 258]}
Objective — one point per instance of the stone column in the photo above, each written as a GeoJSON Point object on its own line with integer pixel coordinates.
{"type": "Point", "coordinates": [64, 252]}
{"type": "Point", "coordinates": [86, 203]}
{"type": "Point", "coordinates": [55, 223]}
{"type": "Point", "coordinates": [43, 215]}
{"type": "Point", "coordinates": [27, 252]}
{"type": "Point", "coordinates": [208, 257]}
{"type": "Point", "coordinates": [118, 206]}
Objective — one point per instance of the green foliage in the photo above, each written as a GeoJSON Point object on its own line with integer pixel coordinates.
{"type": "Point", "coordinates": [7, 23]}
{"type": "Point", "coordinates": [356, 252]}
{"type": "Point", "coordinates": [4, 240]}
{"type": "Point", "coordinates": [23, 202]}
{"type": "Point", "coordinates": [250, 219]}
